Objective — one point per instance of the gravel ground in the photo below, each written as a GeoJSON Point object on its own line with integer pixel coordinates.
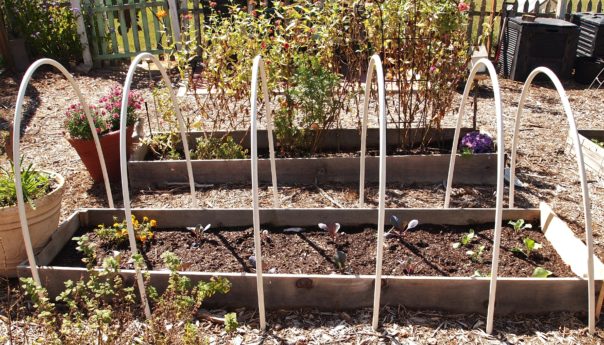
{"type": "Point", "coordinates": [542, 163]}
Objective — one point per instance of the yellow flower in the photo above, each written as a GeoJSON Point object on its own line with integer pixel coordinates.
{"type": "Point", "coordinates": [143, 238]}
{"type": "Point", "coordinates": [150, 235]}
{"type": "Point", "coordinates": [153, 223]}
{"type": "Point", "coordinates": [161, 13]}
{"type": "Point", "coordinates": [124, 232]}
{"type": "Point", "coordinates": [115, 225]}
{"type": "Point", "coordinates": [145, 219]}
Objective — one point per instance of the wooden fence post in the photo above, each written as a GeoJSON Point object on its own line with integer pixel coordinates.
{"type": "Point", "coordinates": [4, 48]}
{"type": "Point", "coordinates": [561, 9]}
{"type": "Point", "coordinates": [77, 11]}
{"type": "Point", "coordinates": [174, 22]}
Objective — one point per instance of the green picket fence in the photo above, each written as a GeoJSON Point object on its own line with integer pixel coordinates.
{"type": "Point", "coordinates": [124, 28]}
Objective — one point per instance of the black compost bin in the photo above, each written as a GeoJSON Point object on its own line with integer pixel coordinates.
{"type": "Point", "coordinates": [591, 38]}
{"type": "Point", "coordinates": [544, 42]}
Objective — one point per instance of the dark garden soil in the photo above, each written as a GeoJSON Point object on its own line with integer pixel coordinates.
{"type": "Point", "coordinates": [424, 251]}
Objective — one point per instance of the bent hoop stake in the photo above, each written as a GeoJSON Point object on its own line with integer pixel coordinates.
{"type": "Point", "coordinates": [500, 167]}
{"type": "Point", "coordinates": [581, 170]}
{"type": "Point", "coordinates": [376, 64]}
{"type": "Point", "coordinates": [124, 163]}
{"type": "Point", "coordinates": [16, 154]}
{"type": "Point", "coordinates": [258, 66]}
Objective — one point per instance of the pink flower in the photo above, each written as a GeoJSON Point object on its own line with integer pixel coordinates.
{"type": "Point", "coordinates": [463, 7]}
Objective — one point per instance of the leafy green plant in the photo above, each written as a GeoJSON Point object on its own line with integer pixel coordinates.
{"type": "Point", "coordinates": [520, 225]}
{"type": "Point", "coordinates": [164, 145]}
{"type": "Point", "coordinates": [35, 184]}
{"type": "Point", "coordinates": [209, 147]}
{"type": "Point", "coordinates": [101, 307]}
{"type": "Point", "coordinates": [465, 239]}
{"type": "Point", "coordinates": [230, 322]}
{"type": "Point", "coordinates": [541, 272]}
{"type": "Point", "coordinates": [49, 29]}
{"type": "Point", "coordinates": [530, 246]}
{"type": "Point", "coordinates": [476, 253]}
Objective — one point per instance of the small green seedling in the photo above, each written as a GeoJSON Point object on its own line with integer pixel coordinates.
{"type": "Point", "coordinates": [477, 274]}
{"type": "Point", "coordinates": [520, 225]}
{"type": "Point", "coordinates": [198, 232]}
{"type": "Point", "coordinates": [541, 272]}
{"type": "Point", "coordinates": [465, 239]}
{"type": "Point", "coordinates": [230, 322]}
{"type": "Point", "coordinates": [466, 152]}
{"type": "Point", "coordinates": [530, 246]}
{"type": "Point", "coordinates": [408, 266]}
{"type": "Point", "coordinates": [476, 253]}
{"type": "Point", "coordinates": [340, 260]}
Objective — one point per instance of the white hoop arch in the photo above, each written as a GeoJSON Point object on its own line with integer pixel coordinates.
{"type": "Point", "coordinates": [16, 152]}
{"type": "Point", "coordinates": [375, 64]}
{"type": "Point", "coordinates": [581, 170]}
{"type": "Point", "coordinates": [500, 167]}
{"type": "Point", "coordinates": [258, 67]}
{"type": "Point", "coordinates": [124, 162]}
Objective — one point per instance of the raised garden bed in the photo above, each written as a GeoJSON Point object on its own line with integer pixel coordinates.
{"type": "Point", "coordinates": [342, 167]}
{"type": "Point", "coordinates": [305, 277]}
{"type": "Point", "coordinates": [592, 143]}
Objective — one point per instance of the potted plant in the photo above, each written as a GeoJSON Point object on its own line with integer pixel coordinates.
{"type": "Point", "coordinates": [43, 192]}
{"type": "Point", "coordinates": [106, 117]}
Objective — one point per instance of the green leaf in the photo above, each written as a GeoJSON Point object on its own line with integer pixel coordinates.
{"type": "Point", "coordinates": [541, 272]}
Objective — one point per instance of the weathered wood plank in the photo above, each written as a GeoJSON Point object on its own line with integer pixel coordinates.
{"type": "Point", "coordinates": [483, 6]}
{"type": "Point", "coordinates": [134, 27]}
{"type": "Point", "coordinates": [470, 29]}
{"type": "Point", "coordinates": [589, 6]}
{"type": "Point", "coordinates": [146, 31]}
{"type": "Point", "coordinates": [109, 16]}
{"type": "Point", "coordinates": [460, 295]}
{"type": "Point", "coordinates": [571, 249]}
{"type": "Point", "coordinates": [100, 21]}
{"type": "Point", "coordinates": [428, 169]}
{"type": "Point", "coordinates": [197, 25]}
{"type": "Point", "coordinates": [123, 28]}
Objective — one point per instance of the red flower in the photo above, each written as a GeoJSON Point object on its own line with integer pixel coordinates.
{"type": "Point", "coordinates": [286, 46]}
{"type": "Point", "coordinates": [212, 4]}
{"type": "Point", "coordinates": [263, 45]}
{"type": "Point", "coordinates": [463, 7]}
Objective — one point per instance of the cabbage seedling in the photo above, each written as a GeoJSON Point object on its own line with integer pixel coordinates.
{"type": "Point", "coordinates": [520, 225]}
{"type": "Point", "coordinates": [397, 228]}
{"type": "Point", "coordinates": [198, 232]}
{"type": "Point", "coordinates": [541, 272]}
{"type": "Point", "coordinates": [340, 260]}
{"type": "Point", "coordinates": [476, 253]}
{"type": "Point", "coordinates": [465, 239]}
{"type": "Point", "coordinates": [530, 246]}
{"type": "Point", "coordinates": [331, 228]}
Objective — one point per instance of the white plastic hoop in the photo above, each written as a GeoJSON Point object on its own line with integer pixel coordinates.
{"type": "Point", "coordinates": [16, 154]}
{"type": "Point", "coordinates": [258, 66]}
{"type": "Point", "coordinates": [124, 162]}
{"type": "Point", "coordinates": [584, 188]}
{"type": "Point", "coordinates": [376, 64]}
{"type": "Point", "coordinates": [500, 168]}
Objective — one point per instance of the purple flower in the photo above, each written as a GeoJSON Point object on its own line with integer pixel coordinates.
{"type": "Point", "coordinates": [478, 142]}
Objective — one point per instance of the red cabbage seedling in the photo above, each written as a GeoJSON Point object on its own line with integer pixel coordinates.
{"type": "Point", "coordinates": [331, 228]}
{"type": "Point", "coordinates": [397, 228]}
{"type": "Point", "coordinates": [198, 232]}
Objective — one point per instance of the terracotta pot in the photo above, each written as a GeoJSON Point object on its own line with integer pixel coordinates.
{"type": "Point", "coordinates": [42, 222]}
{"type": "Point", "coordinates": [110, 143]}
